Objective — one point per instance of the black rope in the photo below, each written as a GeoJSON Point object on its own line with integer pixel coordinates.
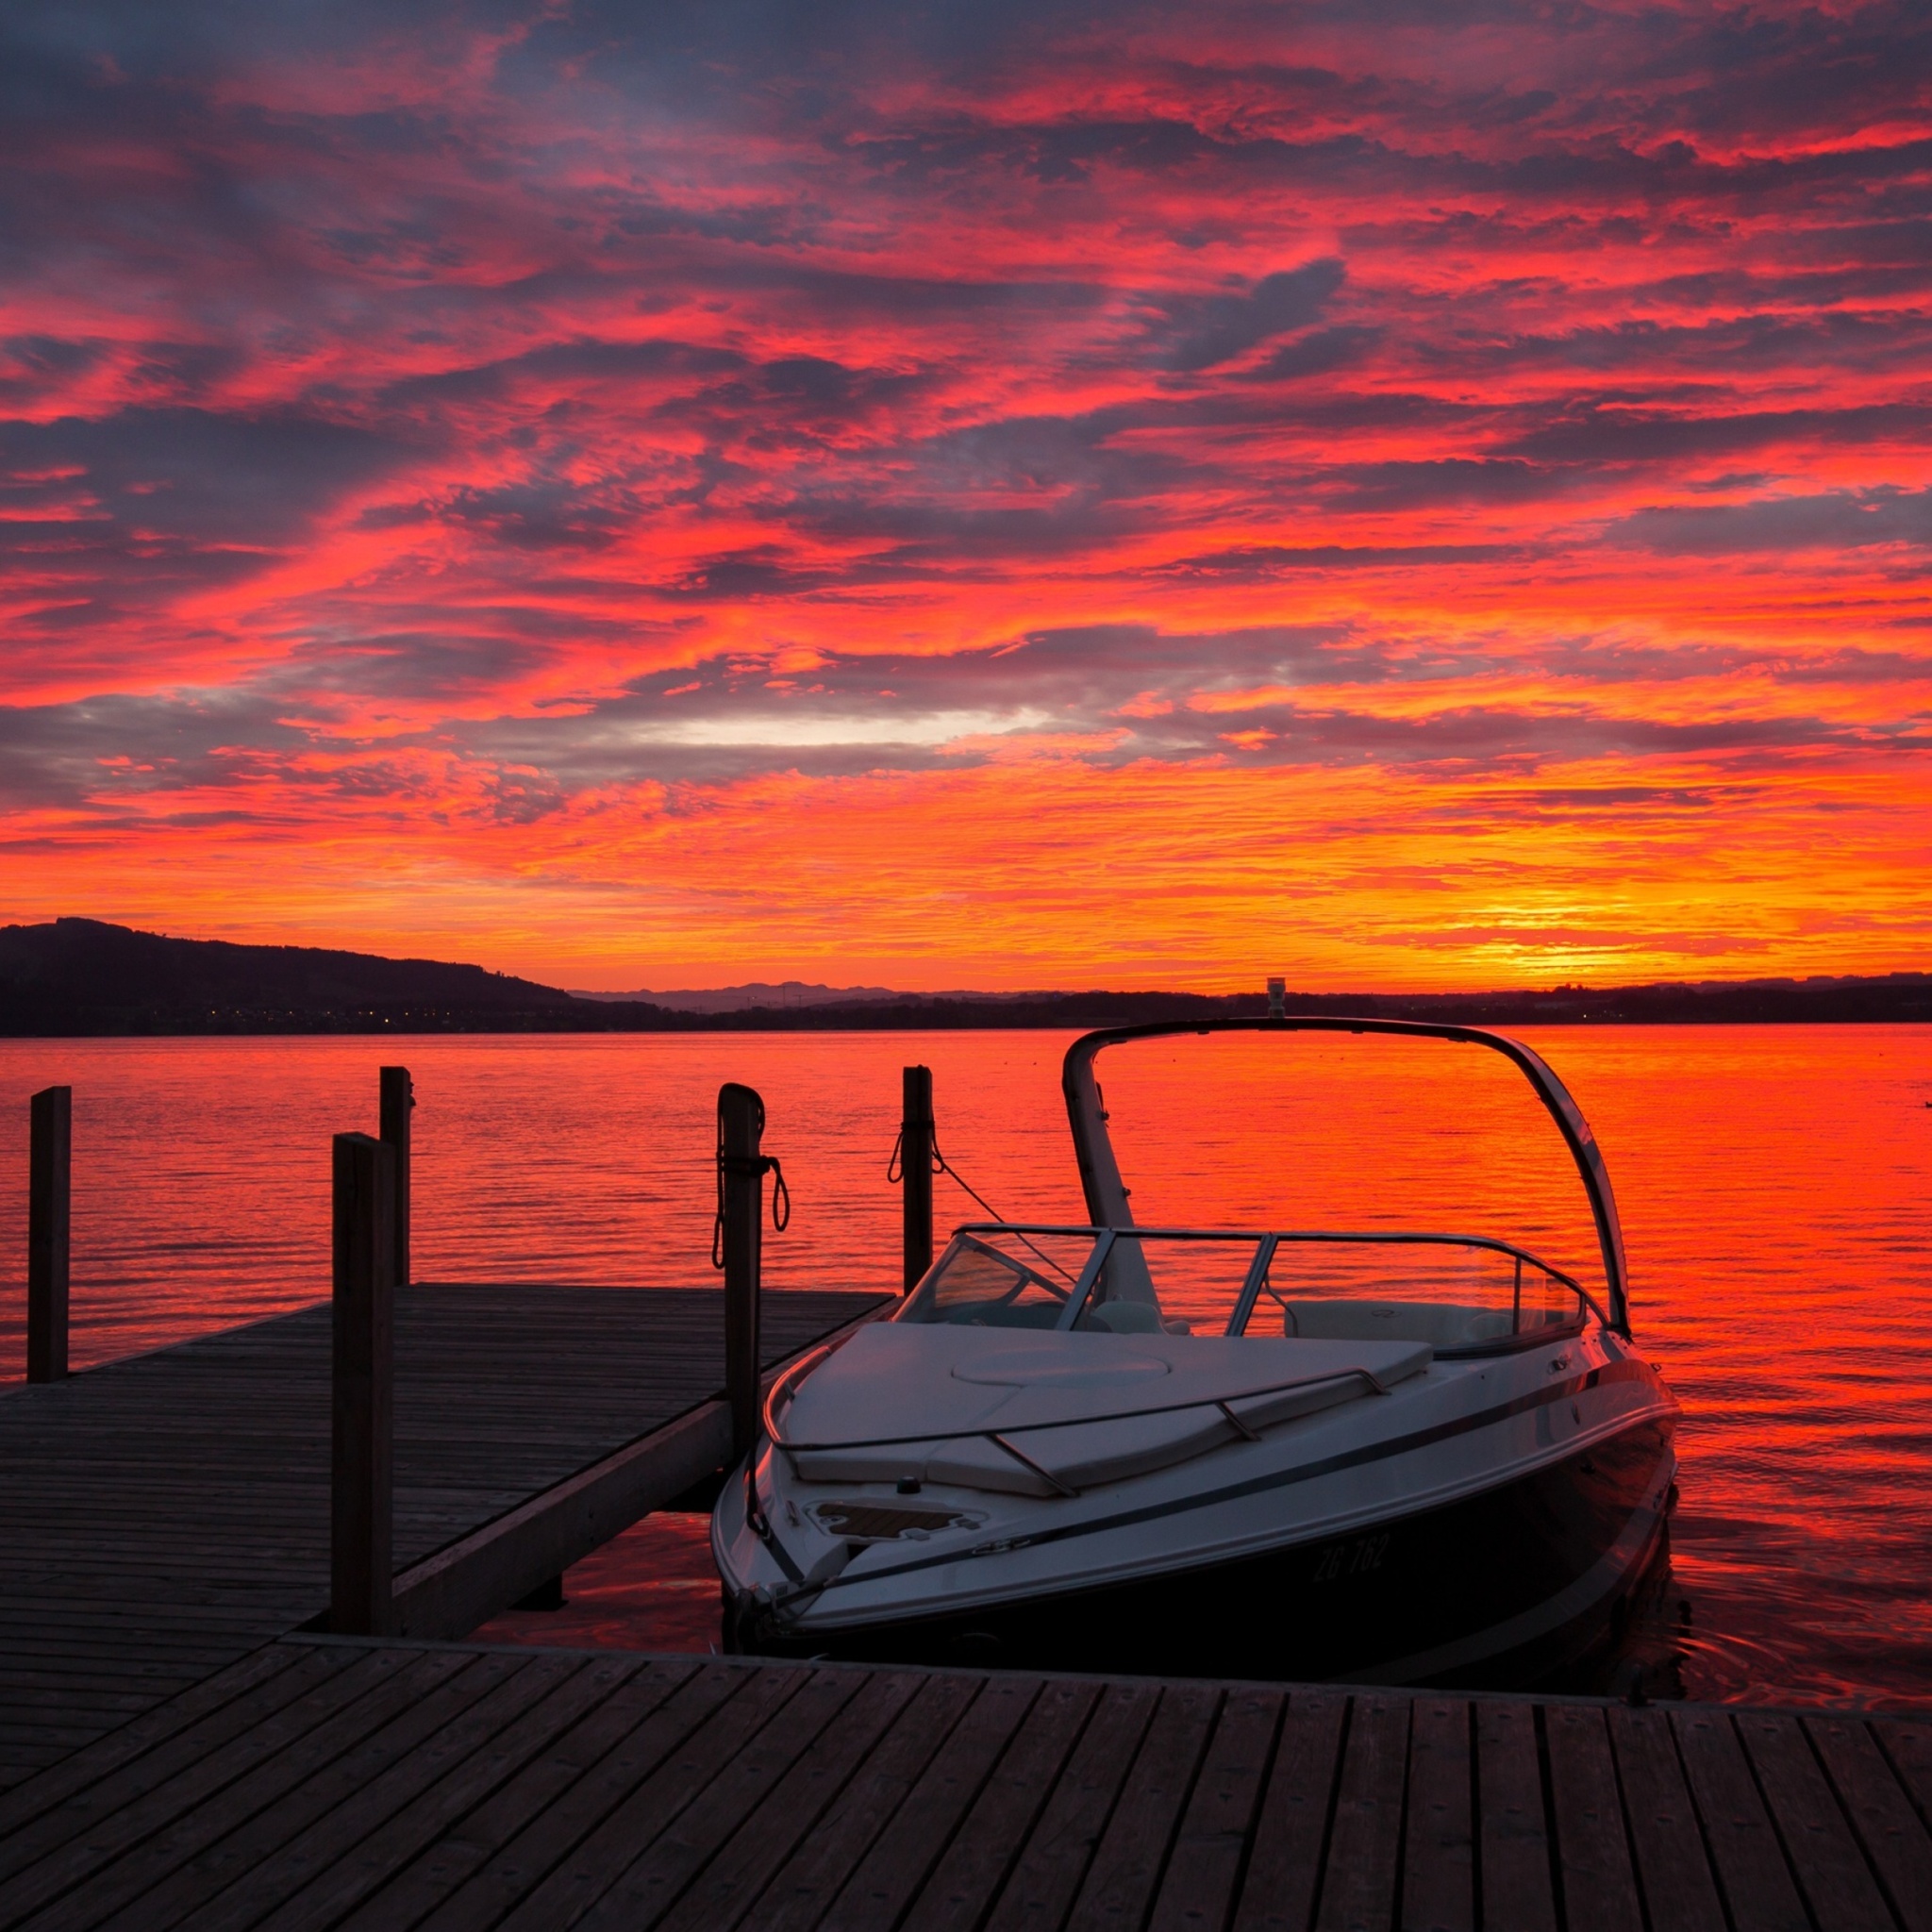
{"type": "Point", "coordinates": [896, 1171]}
{"type": "Point", "coordinates": [755, 1167]}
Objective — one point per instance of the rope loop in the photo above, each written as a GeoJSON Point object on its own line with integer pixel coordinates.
{"type": "Point", "coordinates": [748, 1167]}
{"type": "Point", "coordinates": [895, 1164]}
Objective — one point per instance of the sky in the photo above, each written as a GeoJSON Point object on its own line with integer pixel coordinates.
{"type": "Point", "coordinates": [1399, 495]}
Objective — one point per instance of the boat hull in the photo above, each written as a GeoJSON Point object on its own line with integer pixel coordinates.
{"type": "Point", "coordinates": [1504, 1585]}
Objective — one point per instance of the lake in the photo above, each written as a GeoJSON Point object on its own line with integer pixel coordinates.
{"type": "Point", "coordinates": [1776, 1185]}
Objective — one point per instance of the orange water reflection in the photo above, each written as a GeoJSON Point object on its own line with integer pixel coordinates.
{"type": "Point", "coordinates": [1775, 1187]}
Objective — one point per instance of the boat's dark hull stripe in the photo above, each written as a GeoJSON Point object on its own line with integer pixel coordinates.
{"type": "Point", "coordinates": [1502, 1586]}
{"type": "Point", "coordinates": [1285, 1478]}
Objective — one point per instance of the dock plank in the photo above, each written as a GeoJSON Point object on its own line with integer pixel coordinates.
{"type": "Point", "coordinates": [1439, 1850]}
{"type": "Point", "coordinates": [1907, 1743]}
{"type": "Point", "coordinates": [1132, 1853]}
{"type": "Point", "coordinates": [429, 1792]}
{"type": "Point", "coordinates": [891, 1875]}
{"type": "Point", "coordinates": [1757, 1882]}
{"type": "Point", "coordinates": [1892, 1834]}
{"type": "Point", "coordinates": [646, 1891]}
{"type": "Point", "coordinates": [1285, 1863]}
{"type": "Point", "coordinates": [596, 1862]}
{"type": "Point", "coordinates": [623, 1745]}
{"type": "Point", "coordinates": [1358, 1876]}
{"type": "Point", "coordinates": [1054, 1862]}
{"type": "Point", "coordinates": [1514, 1846]}
{"type": "Point", "coordinates": [219, 1843]}
{"type": "Point", "coordinates": [1592, 1850]}
{"type": "Point", "coordinates": [330, 1854]}
{"type": "Point", "coordinates": [1001, 1820]}
{"type": "Point", "coordinates": [102, 1819]}
{"type": "Point", "coordinates": [629, 1691]}
{"type": "Point", "coordinates": [772, 1830]}
{"type": "Point", "coordinates": [803, 1888]}
{"type": "Point", "coordinates": [1672, 1864]}
{"type": "Point", "coordinates": [1203, 1870]}
{"type": "Point", "coordinates": [1831, 1869]}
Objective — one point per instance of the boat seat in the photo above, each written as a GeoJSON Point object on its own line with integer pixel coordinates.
{"type": "Point", "coordinates": [1126, 1318]}
{"type": "Point", "coordinates": [1350, 1318]}
{"type": "Point", "coordinates": [1002, 1314]}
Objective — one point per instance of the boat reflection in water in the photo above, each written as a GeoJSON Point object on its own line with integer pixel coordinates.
{"type": "Point", "coordinates": [1388, 1454]}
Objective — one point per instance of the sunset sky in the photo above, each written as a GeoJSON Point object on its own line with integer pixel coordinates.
{"type": "Point", "coordinates": [1401, 495]}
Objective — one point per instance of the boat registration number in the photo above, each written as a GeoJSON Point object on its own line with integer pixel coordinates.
{"type": "Point", "coordinates": [1351, 1560]}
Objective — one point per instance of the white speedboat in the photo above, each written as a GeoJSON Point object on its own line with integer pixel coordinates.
{"type": "Point", "coordinates": [1409, 1456]}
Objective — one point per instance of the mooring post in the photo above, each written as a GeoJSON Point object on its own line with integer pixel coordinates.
{"type": "Point", "coordinates": [49, 1198]}
{"type": "Point", "coordinates": [398, 1104]}
{"type": "Point", "coordinates": [915, 1171]}
{"type": "Point", "coordinates": [362, 1433]}
{"type": "Point", "coordinates": [741, 1206]}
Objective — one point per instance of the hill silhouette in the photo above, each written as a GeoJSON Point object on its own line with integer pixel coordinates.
{"type": "Point", "coordinates": [83, 976]}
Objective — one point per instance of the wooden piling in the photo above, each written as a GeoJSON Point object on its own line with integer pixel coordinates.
{"type": "Point", "coordinates": [742, 1195]}
{"type": "Point", "coordinates": [398, 1104]}
{"type": "Point", "coordinates": [48, 1243]}
{"type": "Point", "coordinates": [362, 1421]}
{"type": "Point", "coordinates": [915, 1177]}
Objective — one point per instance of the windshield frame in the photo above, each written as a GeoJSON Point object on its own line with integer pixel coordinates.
{"type": "Point", "coordinates": [1267, 1242]}
{"type": "Point", "coordinates": [1106, 1194]}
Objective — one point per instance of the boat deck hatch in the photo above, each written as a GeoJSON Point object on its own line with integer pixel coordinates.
{"type": "Point", "coordinates": [882, 1522]}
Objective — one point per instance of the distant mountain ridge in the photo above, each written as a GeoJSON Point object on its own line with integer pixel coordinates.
{"type": "Point", "coordinates": [765, 994]}
{"type": "Point", "coordinates": [83, 976]}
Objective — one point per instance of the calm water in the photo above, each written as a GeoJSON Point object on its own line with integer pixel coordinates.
{"type": "Point", "coordinates": [1775, 1185]}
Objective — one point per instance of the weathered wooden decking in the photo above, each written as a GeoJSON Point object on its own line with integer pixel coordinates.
{"type": "Point", "coordinates": [164, 1515]}
{"type": "Point", "coordinates": [177, 1751]}
{"type": "Point", "coordinates": [324, 1783]}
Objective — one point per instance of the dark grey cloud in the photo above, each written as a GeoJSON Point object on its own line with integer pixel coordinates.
{"type": "Point", "coordinates": [761, 574]}
{"type": "Point", "coordinates": [439, 665]}
{"type": "Point", "coordinates": [1476, 738]}
{"type": "Point", "coordinates": [1317, 352]}
{"type": "Point", "coordinates": [583, 359]}
{"type": "Point", "coordinates": [97, 750]}
{"type": "Point", "coordinates": [1833, 520]}
{"type": "Point", "coordinates": [1637, 349]}
{"type": "Point", "coordinates": [1610, 434]}
{"type": "Point", "coordinates": [1400, 486]}
{"type": "Point", "coordinates": [1259, 563]}
{"type": "Point", "coordinates": [1053, 152]}
{"type": "Point", "coordinates": [213, 478]}
{"type": "Point", "coordinates": [125, 512]}
{"type": "Point", "coordinates": [1197, 332]}
{"type": "Point", "coordinates": [37, 366]}
{"type": "Point", "coordinates": [541, 514]}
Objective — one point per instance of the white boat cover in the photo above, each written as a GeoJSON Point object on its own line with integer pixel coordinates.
{"type": "Point", "coordinates": [1115, 1406]}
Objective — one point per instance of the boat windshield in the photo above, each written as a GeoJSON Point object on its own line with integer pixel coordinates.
{"type": "Point", "coordinates": [1461, 1293]}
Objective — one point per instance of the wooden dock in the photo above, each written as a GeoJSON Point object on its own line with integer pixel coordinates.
{"type": "Point", "coordinates": [163, 1516]}
{"type": "Point", "coordinates": [335, 1782]}
{"type": "Point", "coordinates": [182, 1745]}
